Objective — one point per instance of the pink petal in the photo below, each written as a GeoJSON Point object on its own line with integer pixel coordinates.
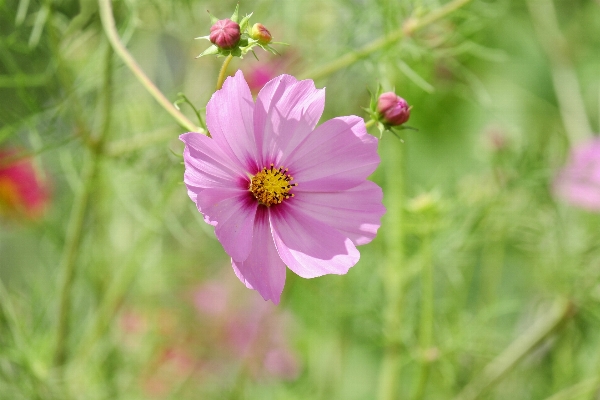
{"type": "Point", "coordinates": [263, 270]}
{"type": "Point", "coordinates": [356, 213]}
{"type": "Point", "coordinates": [229, 117]}
{"type": "Point", "coordinates": [233, 211]}
{"type": "Point", "coordinates": [338, 155]}
{"type": "Point", "coordinates": [309, 247]}
{"type": "Point", "coordinates": [286, 112]}
{"type": "Point", "coordinates": [581, 194]}
{"type": "Point", "coordinates": [579, 181]}
{"type": "Point", "coordinates": [207, 166]}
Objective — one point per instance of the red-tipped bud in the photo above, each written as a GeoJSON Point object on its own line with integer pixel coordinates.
{"type": "Point", "coordinates": [394, 110]}
{"type": "Point", "coordinates": [225, 34]}
{"type": "Point", "coordinates": [260, 34]}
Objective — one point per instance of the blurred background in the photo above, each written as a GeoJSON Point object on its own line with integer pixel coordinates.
{"type": "Point", "coordinates": [483, 281]}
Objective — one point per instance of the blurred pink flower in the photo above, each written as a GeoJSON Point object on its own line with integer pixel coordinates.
{"type": "Point", "coordinates": [211, 299]}
{"type": "Point", "coordinates": [248, 330]}
{"type": "Point", "coordinates": [578, 183]}
{"type": "Point", "coordinates": [282, 364]}
{"type": "Point", "coordinates": [241, 180]}
{"type": "Point", "coordinates": [258, 73]}
{"type": "Point", "coordinates": [173, 366]}
{"type": "Point", "coordinates": [22, 191]}
{"type": "Point", "coordinates": [132, 322]}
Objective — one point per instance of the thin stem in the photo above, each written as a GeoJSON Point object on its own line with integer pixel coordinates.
{"type": "Point", "coordinates": [69, 256]}
{"type": "Point", "coordinates": [223, 72]}
{"type": "Point", "coordinates": [370, 123]}
{"type": "Point", "coordinates": [492, 261]}
{"type": "Point", "coordinates": [582, 390]}
{"type": "Point", "coordinates": [112, 300]}
{"type": "Point", "coordinates": [426, 323]}
{"type": "Point", "coordinates": [411, 26]}
{"type": "Point", "coordinates": [564, 76]}
{"type": "Point", "coordinates": [77, 218]}
{"type": "Point", "coordinates": [139, 141]}
{"type": "Point", "coordinates": [108, 23]}
{"type": "Point", "coordinates": [392, 278]}
{"type": "Point", "coordinates": [517, 350]}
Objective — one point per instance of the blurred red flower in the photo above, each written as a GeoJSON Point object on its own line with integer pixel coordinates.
{"type": "Point", "coordinates": [22, 190]}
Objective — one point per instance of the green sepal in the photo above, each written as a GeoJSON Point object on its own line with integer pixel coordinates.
{"type": "Point", "coordinates": [211, 50]}
{"type": "Point", "coordinates": [372, 102]}
{"type": "Point", "coordinates": [213, 19]}
{"type": "Point", "coordinates": [234, 16]}
{"type": "Point", "coordinates": [381, 128]}
{"type": "Point", "coordinates": [236, 52]}
{"type": "Point", "coordinates": [244, 22]}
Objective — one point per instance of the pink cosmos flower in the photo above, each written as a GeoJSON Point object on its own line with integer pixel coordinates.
{"type": "Point", "coordinates": [278, 190]}
{"type": "Point", "coordinates": [579, 181]}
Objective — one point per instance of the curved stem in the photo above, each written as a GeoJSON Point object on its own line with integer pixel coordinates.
{"type": "Point", "coordinates": [108, 23]}
{"type": "Point", "coordinates": [411, 26]}
{"type": "Point", "coordinates": [370, 123]}
{"type": "Point", "coordinates": [222, 72]}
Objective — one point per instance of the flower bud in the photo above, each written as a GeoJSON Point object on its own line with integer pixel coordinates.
{"type": "Point", "coordinates": [260, 34]}
{"type": "Point", "coordinates": [225, 34]}
{"type": "Point", "coordinates": [393, 109]}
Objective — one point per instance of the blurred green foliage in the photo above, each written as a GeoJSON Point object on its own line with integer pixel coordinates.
{"type": "Point", "coordinates": [477, 206]}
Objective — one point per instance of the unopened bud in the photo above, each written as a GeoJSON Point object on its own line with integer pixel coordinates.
{"type": "Point", "coordinates": [394, 110]}
{"type": "Point", "coordinates": [225, 34]}
{"type": "Point", "coordinates": [260, 34]}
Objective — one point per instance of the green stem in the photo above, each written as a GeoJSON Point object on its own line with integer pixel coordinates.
{"type": "Point", "coordinates": [411, 26]}
{"type": "Point", "coordinates": [112, 300]}
{"type": "Point", "coordinates": [108, 23]}
{"type": "Point", "coordinates": [492, 261]}
{"type": "Point", "coordinates": [370, 123]}
{"type": "Point", "coordinates": [77, 218]}
{"type": "Point", "coordinates": [223, 71]}
{"type": "Point", "coordinates": [582, 390]}
{"type": "Point", "coordinates": [517, 350]}
{"type": "Point", "coordinates": [426, 324]}
{"type": "Point", "coordinates": [69, 256]}
{"type": "Point", "coordinates": [392, 277]}
{"type": "Point", "coordinates": [564, 77]}
{"type": "Point", "coordinates": [139, 141]}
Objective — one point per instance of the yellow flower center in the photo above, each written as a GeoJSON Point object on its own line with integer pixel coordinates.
{"type": "Point", "coordinates": [271, 186]}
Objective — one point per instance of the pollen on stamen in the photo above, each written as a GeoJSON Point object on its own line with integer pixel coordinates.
{"type": "Point", "coordinates": [266, 185]}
